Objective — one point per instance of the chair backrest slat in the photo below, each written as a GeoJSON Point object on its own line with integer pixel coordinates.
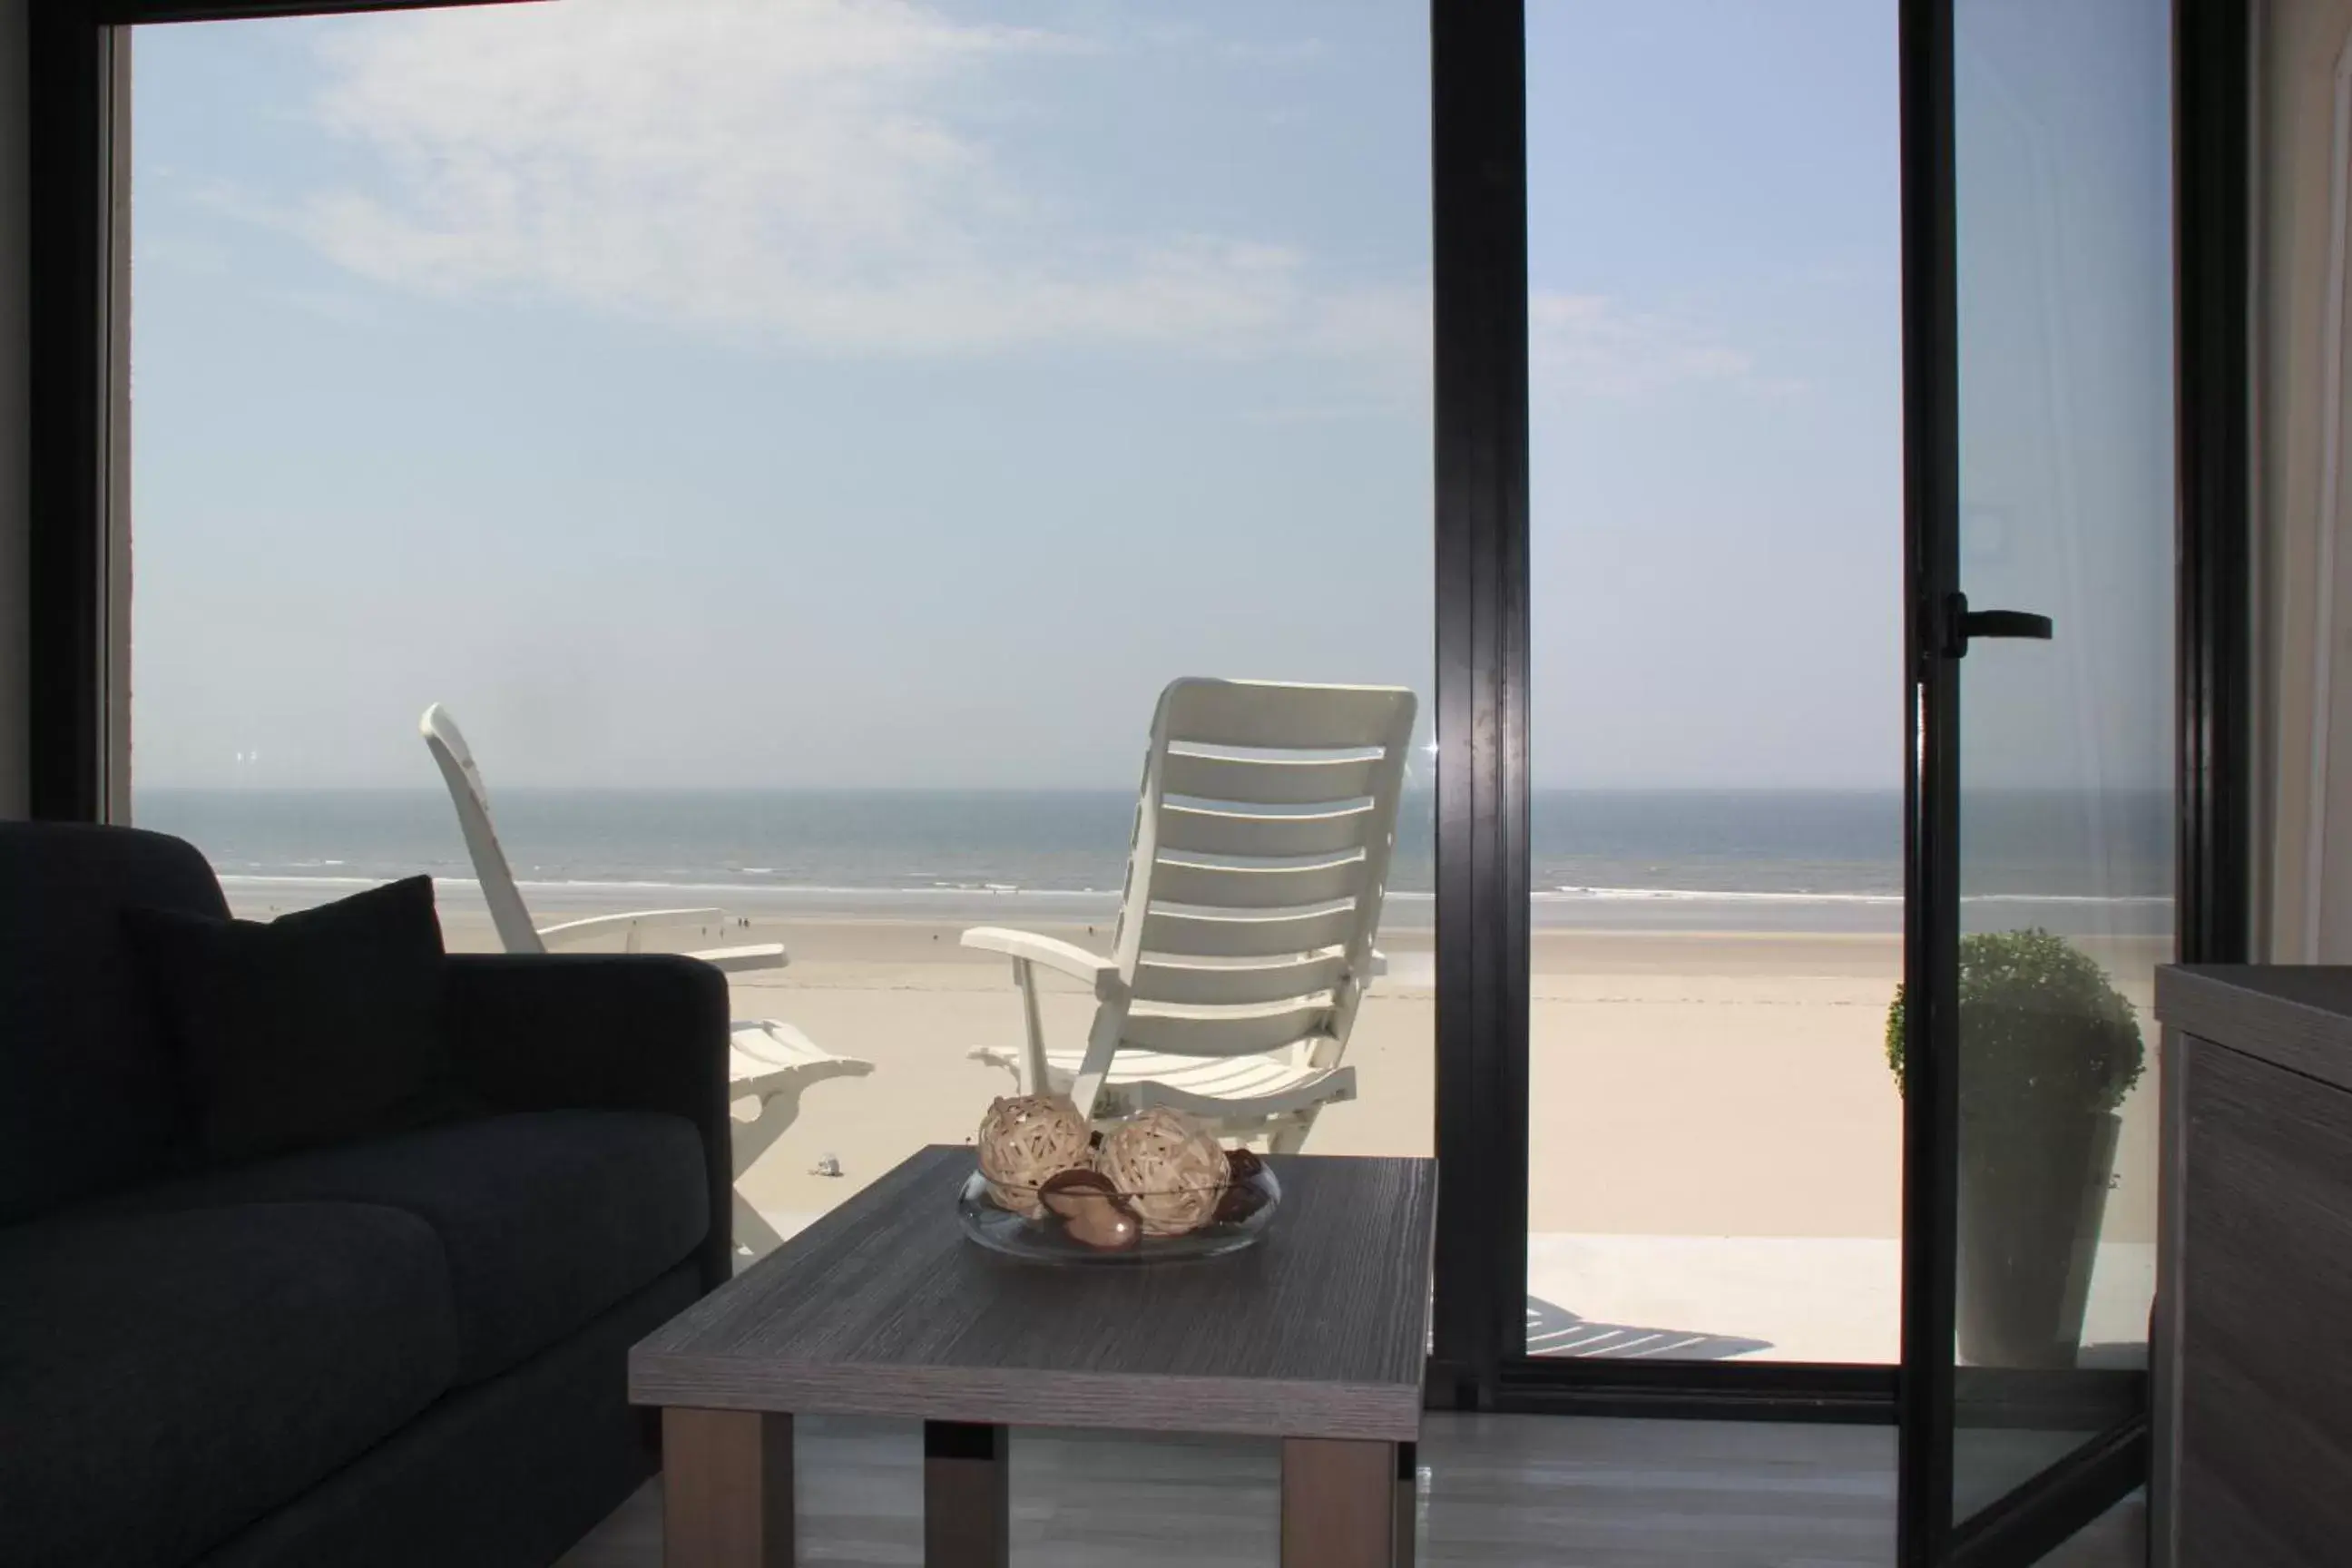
{"type": "Point", "coordinates": [1269, 781]}
{"type": "Point", "coordinates": [1266, 715]}
{"type": "Point", "coordinates": [472, 799]}
{"type": "Point", "coordinates": [1241, 1032]}
{"type": "Point", "coordinates": [1184, 934]}
{"type": "Point", "coordinates": [1261, 887]}
{"type": "Point", "coordinates": [1211, 832]}
{"type": "Point", "coordinates": [1233, 985]}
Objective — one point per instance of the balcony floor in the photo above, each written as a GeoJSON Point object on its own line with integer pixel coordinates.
{"type": "Point", "coordinates": [1751, 1297]}
{"type": "Point", "coordinates": [1520, 1490]}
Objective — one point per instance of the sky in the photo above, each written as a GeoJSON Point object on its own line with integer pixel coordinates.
{"type": "Point", "coordinates": [775, 392]}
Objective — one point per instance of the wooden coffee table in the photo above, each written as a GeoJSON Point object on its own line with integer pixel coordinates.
{"type": "Point", "coordinates": [1315, 1336]}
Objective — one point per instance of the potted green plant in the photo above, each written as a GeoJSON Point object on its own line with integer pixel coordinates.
{"type": "Point", "coordinates": [2047, 1049]}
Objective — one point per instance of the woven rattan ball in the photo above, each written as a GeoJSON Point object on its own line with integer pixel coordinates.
{"type": "Point", "coordinates": [1169, 1166]}
{"type": "Point", "coordinates": [1023, 1141]}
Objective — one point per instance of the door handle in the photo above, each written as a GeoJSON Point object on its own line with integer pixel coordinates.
{"type": "Point", "coordinates": [1962, 624]}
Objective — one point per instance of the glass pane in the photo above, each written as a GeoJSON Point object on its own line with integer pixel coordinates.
{"type": "Point", "coordinates": [798, 443]}
{"type": "Point", "coordinates": [1713, 256]}
{"type": "Point", "coordinates": [2065, 367]}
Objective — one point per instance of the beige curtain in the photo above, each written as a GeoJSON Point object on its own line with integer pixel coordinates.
{"type": "Point", "coordinates": [2303, 396]}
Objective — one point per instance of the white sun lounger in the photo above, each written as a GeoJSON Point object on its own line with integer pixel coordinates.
{"type": "Point", "coordinates": [1253, 888]}
{"type": "Point", "coordinates": [770, 1064]}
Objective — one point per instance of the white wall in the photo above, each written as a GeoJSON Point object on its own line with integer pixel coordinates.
{"type": "Point", "coordinates": [13, 410]}
{"type": "Point", "coordinates": [2302, 360]}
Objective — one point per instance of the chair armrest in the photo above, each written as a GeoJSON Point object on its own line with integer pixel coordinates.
{"type": "Point", "coordinates": [565, 934]}
{"type": "Point", "coordinates": [736, 960]}
{"type": "Point", "coordinates": [1027, 946]}
{"type": "Point", "coordinates": [602, 1031]}
{"type": "Point", "coordinates": [638, 922]}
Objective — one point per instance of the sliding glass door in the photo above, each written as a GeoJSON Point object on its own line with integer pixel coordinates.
{"type": "Point", "coordinates": [2043, 877]}
{"type": "Point", "coordinates": [1715, 829]}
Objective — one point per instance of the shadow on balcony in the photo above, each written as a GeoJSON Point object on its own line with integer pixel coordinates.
{"type": "Point", "coordinates": [1556, 1330]}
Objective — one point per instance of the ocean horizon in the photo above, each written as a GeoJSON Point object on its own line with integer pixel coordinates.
{"type": "Point", "coordinates": [1823, 861]}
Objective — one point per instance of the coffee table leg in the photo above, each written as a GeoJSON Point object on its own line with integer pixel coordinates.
{"type": "Point", "coordinates": [1408, 1503]}
{"type": "Point", "coordinates": [967, 1498]}
{"type": "Point", "coordinates": [727, 1488]}
{"type": "Point", "coordinates": [1339, 1506]}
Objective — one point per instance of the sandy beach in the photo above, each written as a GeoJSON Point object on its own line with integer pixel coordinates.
{"type": "Point", "coordinates": [1685, 1084]}
{"type": "Point", "coordinates": [1715, 1138]}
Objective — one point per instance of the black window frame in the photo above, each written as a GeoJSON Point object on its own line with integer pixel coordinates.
{"type": "Point", "coordinates": [78, 111]}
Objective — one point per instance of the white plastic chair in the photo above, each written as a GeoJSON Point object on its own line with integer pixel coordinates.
{"type": "Point", "coordinates": [1245, 943]}
{"type": "Point", "coordinates": [770, 1064]}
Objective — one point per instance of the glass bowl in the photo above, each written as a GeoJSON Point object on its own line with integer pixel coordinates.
{"type": "Point", "coordinates": [1242, 1210]}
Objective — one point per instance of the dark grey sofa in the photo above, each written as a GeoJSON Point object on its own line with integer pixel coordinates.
{"type": "Point", "coordinates": [405, 1352]}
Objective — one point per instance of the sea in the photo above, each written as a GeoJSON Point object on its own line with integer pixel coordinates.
{"type": "Point", "coordinates": [1784, 860]}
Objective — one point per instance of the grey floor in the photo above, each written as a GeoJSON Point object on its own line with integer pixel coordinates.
{"type": "Point", "coordinates": [1544, 1492]}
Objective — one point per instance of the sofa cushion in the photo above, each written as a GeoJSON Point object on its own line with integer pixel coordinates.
{"type": "Point", "coordinates": [318, 1028]}
{"type": "Point", "coordinates": [547, 1218]}
{"type": "Point", "coordinates": [171, 1377]}
{"type": "Point", "coordinates": [88, 1097]}
{"type": "Point", "coordinates": [506, 1473]}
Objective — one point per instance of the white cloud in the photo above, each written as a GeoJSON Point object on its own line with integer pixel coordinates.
{"type": "Point", "coordinates": [790, 170]}
{"type": "Point", "coordinates": [1590, 345]}
{"type": "Point", "coordinates": [346, 309]}
{"type": "Point", "coordinates": [1291, 52]}
{"type": "Point", "coordinates": [795, 172]}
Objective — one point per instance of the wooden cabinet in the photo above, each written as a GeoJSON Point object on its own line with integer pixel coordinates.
{"type": "Point", "coordinates": [2252, 1454]}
